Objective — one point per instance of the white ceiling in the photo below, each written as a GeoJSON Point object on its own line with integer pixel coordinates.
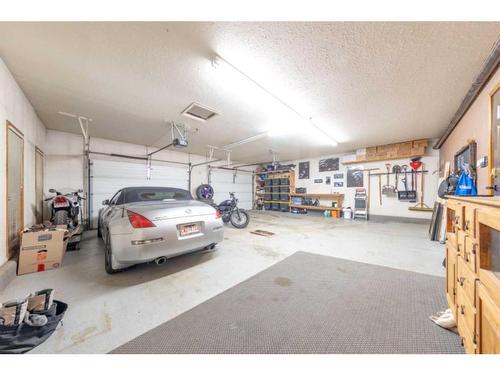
{"type": "Point", "coordinates": [367, 83]}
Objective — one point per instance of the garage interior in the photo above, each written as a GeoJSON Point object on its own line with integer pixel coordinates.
{"type": "Point", "coordinates": [346, 143]}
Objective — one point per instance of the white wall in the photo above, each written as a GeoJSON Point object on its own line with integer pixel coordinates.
{"type": "Point", "coordinates": [16, 108]}
{"type": "Point", "coordinates": [390, 206]}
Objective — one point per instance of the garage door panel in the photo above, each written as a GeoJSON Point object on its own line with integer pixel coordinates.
{"type": "Point", "coordinates": [222, 182]}
{"type": "Point", "coordinates": [109, 176]}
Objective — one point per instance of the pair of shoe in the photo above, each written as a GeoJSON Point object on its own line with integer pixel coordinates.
{"type": "Point", "coordinates": [444, 319]}
{"type": "Point", "coordinates": [25, 309]}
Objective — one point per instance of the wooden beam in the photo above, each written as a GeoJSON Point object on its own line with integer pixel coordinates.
{"type": "Point", "coordinates": [490, 66]}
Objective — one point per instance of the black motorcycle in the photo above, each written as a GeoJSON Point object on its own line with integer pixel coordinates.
{"type": "Point", "coordinates": [230, 212]}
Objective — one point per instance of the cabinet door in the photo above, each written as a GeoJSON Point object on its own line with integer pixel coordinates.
{"type": "Point", "coordinates": [488, 322]}
{"type": "Point", "coordinates": [451, 278]}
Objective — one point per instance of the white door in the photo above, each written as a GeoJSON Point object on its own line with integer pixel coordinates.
{"type": "Point", "coordinates": [15, 189]}
{"type": "Point", "coordinates": [222, 182]}
{"type": "Point", "coordinates": [109, 176]}
{"type": "Point", "coordinates": [39, 182]}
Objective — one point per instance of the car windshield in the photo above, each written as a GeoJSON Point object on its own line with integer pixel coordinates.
{"type": "Point", "coordinates": [148, 194]}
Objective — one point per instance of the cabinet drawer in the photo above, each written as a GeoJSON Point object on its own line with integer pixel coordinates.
{"type": "Point", "coordinates": [451, 278]}
{"type": "Point", "coordinates": [454, 215]}
{"type": "Point", "coordinates": [459, 217]}
{"type": "Point", "coordinates": [466, 312]}
{"type": "Point", "coordinates": [451, 240]}
{"type": "Point", "coordinates": [470, 220]}
{"type": "Point", "coordinates": [461, 235]}
{"type": "Point", "coordinates": [466, 280]}
{"type": "Point", "coordinates": [470, 253]}
{"type": "Point", "coordinates": [468, 341]}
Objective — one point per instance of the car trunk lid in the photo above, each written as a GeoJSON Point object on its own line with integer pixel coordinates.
{"type": "Point", "coordinates": [165, 210]}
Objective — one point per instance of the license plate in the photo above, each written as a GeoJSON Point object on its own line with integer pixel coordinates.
{"type": "Point", "coordinates": [189, 229]}
{"type": "Point", "coordinates": [59, 205]}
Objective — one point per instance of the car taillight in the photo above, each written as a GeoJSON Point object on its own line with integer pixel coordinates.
{"type": "Point", "coordinates": [218, 214]}
{"type": "Point", "coordinates": [139, 221]}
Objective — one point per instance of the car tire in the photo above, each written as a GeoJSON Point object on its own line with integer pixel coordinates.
{"type": "Point", "coordinates": [108, 255]}
{"type": "Point", "coordinates": [99, 233]}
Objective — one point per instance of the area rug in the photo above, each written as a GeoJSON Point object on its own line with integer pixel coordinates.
{"type": "Point", "coordinates": [312, 303]}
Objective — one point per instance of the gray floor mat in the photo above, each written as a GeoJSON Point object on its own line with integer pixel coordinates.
{"type": "Point", "coordinates": [312, 303]}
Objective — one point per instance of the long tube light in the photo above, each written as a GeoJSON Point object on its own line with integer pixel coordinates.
{"type": "Point", "coordinates": [217, 61]}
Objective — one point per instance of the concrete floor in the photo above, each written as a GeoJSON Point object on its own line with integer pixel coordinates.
{"type": "Point", "coordinates": [106, 311]}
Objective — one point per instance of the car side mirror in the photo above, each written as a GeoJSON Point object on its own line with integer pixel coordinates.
{"type": "Point", "coordinates": [105, 202]}
{"type": "Point", "coordinates": [53, 191]}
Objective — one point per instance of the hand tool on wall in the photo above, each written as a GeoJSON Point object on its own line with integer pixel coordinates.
{"type": "Point", "coordinates": [396, 169]}
{"type": "Point", "coordinates": [380, 189]}
{"type": "Point", "coordinates": [421, 206]}
{"type": "Point", "coordinates": [415, 165]}
{"type": "Point", "coordinates": [403, 194]}
{"type": "Point", "coordinates": [388, 189]}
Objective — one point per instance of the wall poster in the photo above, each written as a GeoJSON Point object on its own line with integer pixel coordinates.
{"type": "Point", "coordinates": [303, 170]}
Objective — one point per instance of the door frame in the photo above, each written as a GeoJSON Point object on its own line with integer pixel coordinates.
{"type": "Point", "coordinates": [40, 152]}
{"type": "Point", "coordinates": [11, 127]}
{"type": "Point", "coordinates": [491, 180]}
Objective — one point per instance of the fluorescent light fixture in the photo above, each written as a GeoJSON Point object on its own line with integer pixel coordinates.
{"type": "Point", "coordinates": [244, 141]}
{"type": "Point", "coordinates": [220, 63]}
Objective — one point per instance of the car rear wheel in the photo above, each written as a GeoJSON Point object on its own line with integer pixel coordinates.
{"type": "Point", "coordinates": [99, 233]}
{"type": "Point", "coordinates": [108, 257]}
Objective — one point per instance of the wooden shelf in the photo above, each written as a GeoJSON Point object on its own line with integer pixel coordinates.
{"type": "Point", "coordinates": [379, 159]}
{"type": "Point", "coordinates": [287, 202]}
{"type": "Point", "coordinates": [318, 208]}
{"type": "Point", "coordinates": [318, 195]}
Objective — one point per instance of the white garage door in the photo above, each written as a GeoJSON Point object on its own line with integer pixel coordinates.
{"type": "Point", "coordinates": [222, 182]}
{"type": "Point", "coordinates": [109, 176]}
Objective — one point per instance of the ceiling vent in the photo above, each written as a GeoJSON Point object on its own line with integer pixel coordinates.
{"type": "Point", "coordinates": [198, 112]}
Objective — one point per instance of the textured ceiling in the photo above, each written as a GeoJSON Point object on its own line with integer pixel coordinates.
{"type": "Point", "coordinates": [367, 83]}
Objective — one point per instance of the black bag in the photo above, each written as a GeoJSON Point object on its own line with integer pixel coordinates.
{"type": "Point", "coordinates": [448, 186]}
{"type": "Point", "coordinates": [22, 338]}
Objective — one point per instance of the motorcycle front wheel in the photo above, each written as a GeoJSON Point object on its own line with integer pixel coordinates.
{"type": "Point", "coordinates": [239, 219]}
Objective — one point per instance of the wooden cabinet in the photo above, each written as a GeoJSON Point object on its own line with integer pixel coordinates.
{"type": "Point", "coordinates": [488, 323]}
{"type": "Point", "coordinates": [473, 271]}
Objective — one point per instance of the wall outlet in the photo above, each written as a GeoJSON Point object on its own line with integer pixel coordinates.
{"type": "Point", "coordinates": [483, 162]}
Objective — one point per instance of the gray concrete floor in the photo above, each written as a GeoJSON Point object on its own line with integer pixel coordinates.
{"type": "Point", "coordinates": [106, 311]}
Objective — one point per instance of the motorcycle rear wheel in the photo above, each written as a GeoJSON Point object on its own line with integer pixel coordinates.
{"type": "Point", "coordinates": [61, 217]}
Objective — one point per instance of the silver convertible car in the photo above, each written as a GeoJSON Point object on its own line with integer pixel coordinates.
{"type": "Point", "coordinates": [143, 224]}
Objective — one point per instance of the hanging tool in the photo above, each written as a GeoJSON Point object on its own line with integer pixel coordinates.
{"type": "Point", "coordinates": [380, 189]}
{"type": "Point", "coordinates": [421, 206]}
{"type": "Point", "coordinates": [403, 194]}
{"type": "Point", "coordinates": [396, 169]}
{"type": "Point", "coordinates": [388, 189]}
{"type": "Point", "coordinates": [415, 165]}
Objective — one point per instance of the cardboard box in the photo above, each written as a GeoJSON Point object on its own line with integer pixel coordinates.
{"type": "Point", "coordinates": [41, 251]}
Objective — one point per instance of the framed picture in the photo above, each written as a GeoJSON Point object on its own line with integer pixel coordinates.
{"type": "Point", "coordinates": [328, 180]}
{"type": "Point", "coordinates": [466, 158]}
{"type": "Point", "coordinates": [318, 180]}
{"type": "Point", "coordinates": [338, 176]}
{"type": "Point", "coordinates": [338, 184]}
{"type": "Point", "coordinates": [354, 177]}
{"type": "Point", "coordinates": [330, 164]}
{"type": "Point", "coordinates": [303, 170]}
